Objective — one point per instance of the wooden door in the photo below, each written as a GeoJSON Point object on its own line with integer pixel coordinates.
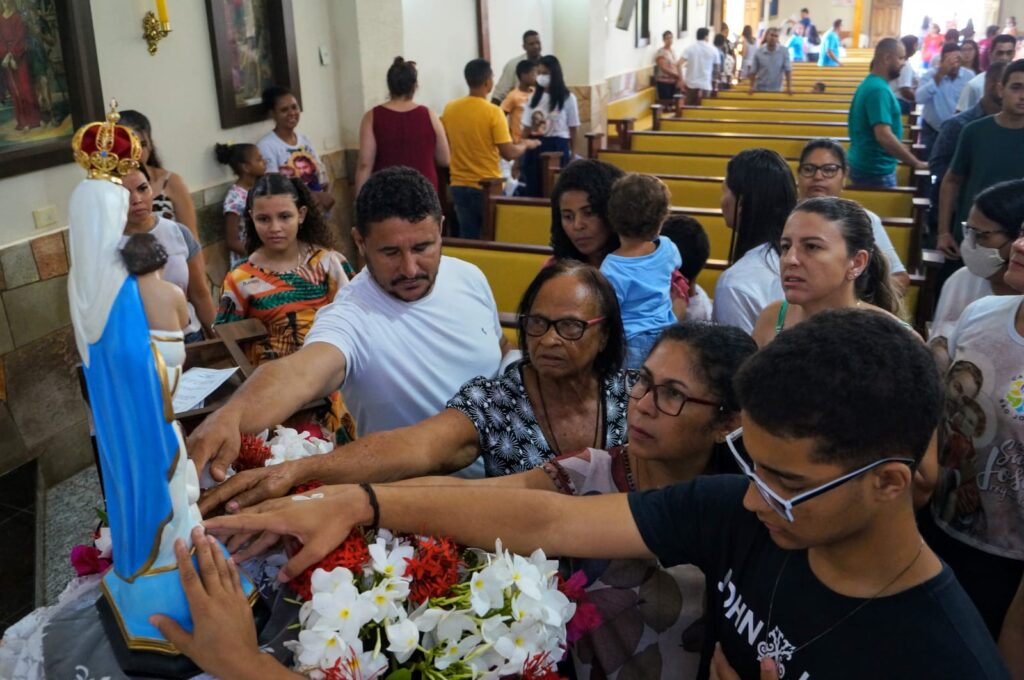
{"type": "Point", "coordinates": [885, 19]}
{"type": "Point", "coordinates": [751, 15]}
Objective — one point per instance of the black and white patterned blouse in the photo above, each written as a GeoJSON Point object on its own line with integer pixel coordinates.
{"type": "Point", "coordinates": [511, 440]}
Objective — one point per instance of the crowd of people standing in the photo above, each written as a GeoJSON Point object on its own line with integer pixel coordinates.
{"type": "Point", "coordinates": [756, 453]}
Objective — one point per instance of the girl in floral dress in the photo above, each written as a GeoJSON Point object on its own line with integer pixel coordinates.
{"type": "Point", "coordinates": [291, 272]}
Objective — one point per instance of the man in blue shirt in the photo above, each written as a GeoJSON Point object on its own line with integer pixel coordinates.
{"type": "Point", "coordinates": [830, 46]}
{"type": "Point", "coordinates": [940, 91]}
{"type": "Point", "coordinates": [805, 18]}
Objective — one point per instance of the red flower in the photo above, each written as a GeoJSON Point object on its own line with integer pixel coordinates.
{"type": "Point", "coordinates": [587, 616]}
{"type": "Point", "coordinates": [353, 554]}
{"type": "Point", "coordinates": [539, 667]}
{"type": "Point", "coordinates": [433, 568]}
{"type": "Point", "coordinates": [253, 453]}
{"type": "Point", "coordinates": [342, 670]}
{"type": "Point", "coordinates": [86, 560]}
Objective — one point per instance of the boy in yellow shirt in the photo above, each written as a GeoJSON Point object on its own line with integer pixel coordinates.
{"type": "Point", "coordinates": [515, 102]}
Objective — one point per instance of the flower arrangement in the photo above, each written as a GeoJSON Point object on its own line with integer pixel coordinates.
{"type": "Point", "coordinates": [392, 607]}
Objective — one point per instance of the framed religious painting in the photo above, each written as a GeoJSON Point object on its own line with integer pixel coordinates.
{"type": "Point", "coordinates": [253, 45]}
{"type": "Point", "coordinates": [49, 81]}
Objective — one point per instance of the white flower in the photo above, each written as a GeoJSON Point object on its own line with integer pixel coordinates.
{"type": "Point", "coordinates": [104, 543]}
{"type": "Point", "coordinates": [454, 625]}
{"type": "Point", "coordinates": [403, 637]}
{"type": "Point", "coordinates": [552, 609]}
{"type": "Point", "coordinates": [393, 563]}
{"type": "Point", "coordinates": [494, 628]}
{"type": "Point", "coordinates": [525, 575]}
{"type": "Point", "coordinates": [321, 648]}
{"type": "Point", "coordinates": [486, 591]}
{"type": "Point", "coordinates": [523, 641]}
{"type": "Point", "coordinates": [384, 598]}
{"type": "Point", "coordinates": [453, 651]}
{"type": "Point", "coordinates": [330, 581]}
{"type": "Point", "coordinates": [343, 611]}
{"type": "Point", "coordinates": [289, 444]}
{"type": "Point", "coordinates": [365, 665]}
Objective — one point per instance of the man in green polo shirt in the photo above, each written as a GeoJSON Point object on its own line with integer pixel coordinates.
{"type": "Point", "coordinates": [876, 124]}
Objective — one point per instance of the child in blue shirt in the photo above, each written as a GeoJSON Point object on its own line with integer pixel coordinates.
{"type": "Point", "coordinates": [641, 269]}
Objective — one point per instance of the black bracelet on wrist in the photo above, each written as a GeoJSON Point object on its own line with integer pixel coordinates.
{"type": "Point", "coordinates": [371, 495]}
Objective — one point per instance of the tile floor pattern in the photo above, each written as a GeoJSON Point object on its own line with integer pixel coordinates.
{"type": "Point", "coordinates": [18, 527]}
{"type": "Point", "coordinates": [70, 519]}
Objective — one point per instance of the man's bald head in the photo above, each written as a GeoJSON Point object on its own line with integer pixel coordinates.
{"type": "Point", "coordinates": [889, 57]}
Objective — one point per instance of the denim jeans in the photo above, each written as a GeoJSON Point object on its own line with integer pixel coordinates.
{"type": "Point", "coordinates": [638, 346]}
{"type": "Point", "coordinates": [861, 180]}
{"type": "Point", "coordinates": [469, 209]}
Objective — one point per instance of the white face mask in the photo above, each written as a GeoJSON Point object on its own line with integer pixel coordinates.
{"type": "Point", "coordinates": [544, 80]}
{"type": "Point", "coordinates": [980, 261]}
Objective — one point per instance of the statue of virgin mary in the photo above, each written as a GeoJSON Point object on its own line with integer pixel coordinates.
{"type": "Point", "coordinates": [150, 485]}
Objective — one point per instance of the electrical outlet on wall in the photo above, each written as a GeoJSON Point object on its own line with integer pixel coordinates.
{"type": "Point", "coordinates": [45, 217]}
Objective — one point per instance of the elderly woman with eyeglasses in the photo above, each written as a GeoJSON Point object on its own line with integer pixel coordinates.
{"type": "Point", "coordinates": [822, 172]}
{"type": "Point", "coordinates": [682, 405]}
{"type": "Point", "coordinates": [565, 394]}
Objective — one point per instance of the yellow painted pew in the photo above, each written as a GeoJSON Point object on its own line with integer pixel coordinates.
{"type": "Point", "coordinates": [509, 268]}
{"type": "Point", "coordinates": [796, 102]}
{"type": "Point", "coordinates": [528, 222]}
{"type": "Point", "coordinates": [756, 127]}
{"type": "Point", "coordinates": [706, 165]}
{"type": "Point", "coordinates": [780, 113]}
{"type": "Point", "coordinates": [789, 146]}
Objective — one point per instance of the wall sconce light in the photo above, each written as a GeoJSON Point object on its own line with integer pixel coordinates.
{"type": "Point", "coordinates": [155, 27]}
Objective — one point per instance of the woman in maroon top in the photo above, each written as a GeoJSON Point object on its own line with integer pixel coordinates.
{"type": "Point", "coordinates": [400, 131]}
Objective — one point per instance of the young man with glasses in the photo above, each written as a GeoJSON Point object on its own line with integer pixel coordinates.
{"type": "Point", "coordinates": [875, 122]}
{"type": "Point", "coordinates": [814, 564]}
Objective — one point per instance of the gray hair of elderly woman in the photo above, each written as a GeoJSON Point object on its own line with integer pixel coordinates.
{"type": "Point", "coordinates": [609, 359]}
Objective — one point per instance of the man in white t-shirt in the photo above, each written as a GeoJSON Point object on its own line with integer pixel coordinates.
{"type": "Point", "coordinates": [700, 62]}
{"type": "Point", "coordinates": [399, 340]}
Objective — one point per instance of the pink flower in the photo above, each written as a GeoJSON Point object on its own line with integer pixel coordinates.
{"type": "Point", "coordinates": [86, 560]}
{"type": "Point", "coordinates": [586, 619]}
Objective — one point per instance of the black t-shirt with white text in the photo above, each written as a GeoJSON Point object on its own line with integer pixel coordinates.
{"type": "Point", "coordinates": [929, 631]}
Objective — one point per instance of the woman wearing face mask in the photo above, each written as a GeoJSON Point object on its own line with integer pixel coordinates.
{"type": "Point", "coordinates": [552, 116]}
{"type": "Point", "coordinates": [991, 227]}
{"type": "Point", "coordinates": [828, 260]}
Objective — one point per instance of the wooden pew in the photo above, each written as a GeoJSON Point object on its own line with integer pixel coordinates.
{"type": "Point", "coordinates": [708, 165]}
{"type": "Point", "coordinates": [715, 112]}
{"type": "Point", "coordinates": [795, 103]}
{"type": "Point", "coordinates": [528, 221]}
{"type": "Point", "coordinates": [760, 127]}
{"type": "Point", "coordinates": [789, 146]}
{"type": "Point", "coordinates": [631, 113]}
{"type": "Point", "coordinates": [509, 269]}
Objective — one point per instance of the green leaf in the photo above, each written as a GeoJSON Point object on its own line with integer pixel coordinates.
{"type": "Point", "coordinates": [400, 674]}
{"type": "Point", "coordinates": [102, 515]}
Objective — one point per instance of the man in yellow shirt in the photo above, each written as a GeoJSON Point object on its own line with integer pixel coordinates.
{"type": "Point", "coordinates": [478, 135]}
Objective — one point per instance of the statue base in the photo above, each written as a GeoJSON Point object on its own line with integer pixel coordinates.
{"type": "Point", "coordinates": [138, 646]}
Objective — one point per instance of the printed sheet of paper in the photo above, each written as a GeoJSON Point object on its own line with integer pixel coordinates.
{"type": "Point", "coordinates": [197, 384]}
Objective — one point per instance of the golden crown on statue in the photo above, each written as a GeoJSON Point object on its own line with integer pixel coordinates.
{"type": "Point", "coordinates": [105, 149]}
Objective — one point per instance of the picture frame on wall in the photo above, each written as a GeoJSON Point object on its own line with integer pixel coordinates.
{"type": "Point", "coordinates": [682, 18]}
{"type": "Point", "coordinates": [253, 45]}
{"type": "Point", "coordinates": [49, 82]}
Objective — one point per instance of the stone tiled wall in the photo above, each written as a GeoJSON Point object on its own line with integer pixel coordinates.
{"type": "Point", "coordinates": [42, 413]}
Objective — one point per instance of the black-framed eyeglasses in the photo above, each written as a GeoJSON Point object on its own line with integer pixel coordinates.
{"type": "Point", "coordinates": [828, 171]}
{"type": "Point", "coordinates": [667, 399]}
{"type": "Point", "coordinates": [535, 326]}
{"type": "Point", "coordinates": [784, 506]}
